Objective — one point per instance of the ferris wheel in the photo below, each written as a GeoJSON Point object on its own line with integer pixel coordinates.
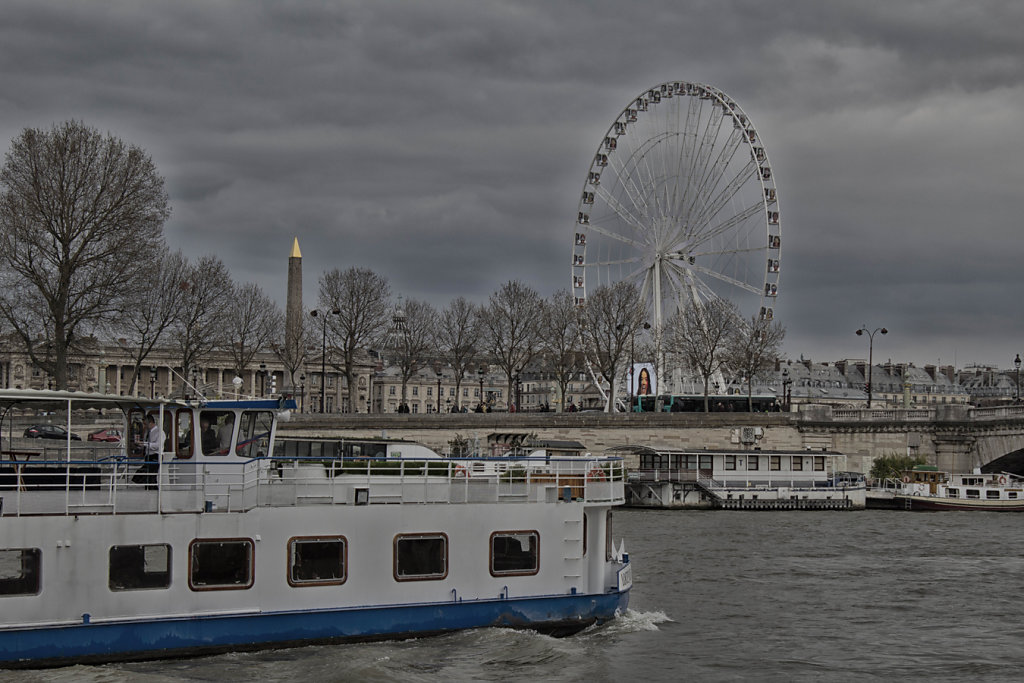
{"type": "Point", "coordinates": [680, 198]}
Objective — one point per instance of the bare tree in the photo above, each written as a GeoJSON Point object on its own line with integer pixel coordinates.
{"type": "Point", "coordinates": [294, 353]}
{"type": "Point", "coordinates": [81, 220]}
{"type": "Point", "coordinates": [411, 338]}
{"type": "Point", "coordinates": [252, 321]}
{"type": "Point", "coordinates": [509, 328]}
{"type": "Point", "coordinates": [362, 299]}
{"type": "Point", "coordinates": [151, 310]}
{"type": "Point", "coordinates": [559, 334]}
{"type": "Point", "coordinates": [199, 327]}
{"type": "Point", "coordinates": [701, 334]}
{"type": "Point", "coordinates": [458, 339]}
{"type": "Point", "coordinates": [609, 320]}
{"type": "Point", "coordinates": [754, 349]}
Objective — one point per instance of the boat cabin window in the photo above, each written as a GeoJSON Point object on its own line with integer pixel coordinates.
{"type": "Point", "coordinates": [317, 560]}
{"type": "Point", "coordinates": [184, 420]}
{"type": "Point", "coordinates": [730, 462]}
{"type": "Point", "coordinates": [515, 553]}
{"type": "Point", "coordinates": [705, 462]}
{"type": "Point", "coordinates": [1012, 495]}
{"type": "Point", "coordinates": [953, 493]}
{"type": "Point", "coordinates": [753, 462]}
{"type": "Point", "coordinates": [973, 493]}
{"type": "Point", "coordinates": [20, 571]}
{"type": "Point", "coordinates": [819, 463]}
{"type": "Point", "coordinates": [420, 557]}
{"type": "Point", "coordinates": [798, 463]}
{"type": "Point", "coordinates": [775, 463]}
{"type": "Point", "coordinates": [220, 564]}
{"type": "Point", "coordinates": [139, 567]}
{"type": "Point", "coordinates": [208, 441]}
{"type": "Point", "coordinates": [254, 433]}
{"type": "Point", "coordinates": [992, 495]}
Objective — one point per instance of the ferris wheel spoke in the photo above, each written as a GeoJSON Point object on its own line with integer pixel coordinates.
{"type": "Point", "coordinates": [685, 159]}
{"type": "Point", "coordinates": [728, 224]}
{"type": "Point", "coordinates": [704, 168]}
{"type": "Point", "coordinates": [620, 210]}
{"type": "Point", "coordinates": [721, 252]}
{"type": "Point", "coordinates": [607, 232]}
{"type": "Point", "coordinates": [618, 262]}
{"type": "Point", "coordinates": [727, 193]}
{"type": "Point", "coordinates": [721, 277]}
{"type": "Point", "coordinates": [714, 176]}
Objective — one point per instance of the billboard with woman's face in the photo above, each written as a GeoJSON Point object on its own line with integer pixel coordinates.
{"type": "Point", "coordinates": [641, 380]}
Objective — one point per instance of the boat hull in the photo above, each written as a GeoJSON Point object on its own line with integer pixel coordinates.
{"type": "Point", "coordinates": [935, 503]}
{"type": "Point", "coordinates": [188, 636]}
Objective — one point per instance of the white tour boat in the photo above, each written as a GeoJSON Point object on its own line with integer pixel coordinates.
{"type": "Point", "coordinates": [225, 542]}
{"type": "Point", "coordinates": [927, 488]}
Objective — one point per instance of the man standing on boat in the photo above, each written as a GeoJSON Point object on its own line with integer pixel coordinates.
{"type": "Point", "coordinates": [151, 450]}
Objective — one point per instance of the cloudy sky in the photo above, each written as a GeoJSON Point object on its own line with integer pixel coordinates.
{"type": "Point", "coordinates": [443, 143]}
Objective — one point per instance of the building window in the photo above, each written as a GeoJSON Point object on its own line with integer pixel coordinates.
{"type": "Point", "coordinates": [221, 564]}
{"type": "Point", "coordinates": [139, 567]}
{"type": "Point", "coordinates": [775, 463]}
{"type": "Point", "coordinates": [730, 462]}
{"type": "Point", "coordinates": [415, 391]}
{"type": "Point", "coordinates": [317, 561]}
{"type": "Point", "coordinates": [20, 571]}
{"type": "Point", "coordinates": [430, 391]}
{"type": "Point", "coordinates": [515, 553]}
{"type": "Point", "coordinates": [391, 390]}
{"type": "Point", "coordinates": [752, 463]}
{"type": "Point", "coordinates": [420, 557]}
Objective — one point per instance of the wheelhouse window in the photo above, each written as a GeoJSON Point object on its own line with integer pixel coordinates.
{"type": "Point", "coordinates": [139, 567]}
{"type": "Point", "coordinates": [221, 564]}
{"type": "Point", "coordinates": [20, 571]}
{"type": "Point", "coordinates": [421, 557]}
{"type": "Point", "coordinates": [185, 447]}
{"type": "Point", "coordinates": [317, 561]}
{"type": "Point", "coordinates": [515, 553]}
{"type": "Point", "coordinates": [254, 433]}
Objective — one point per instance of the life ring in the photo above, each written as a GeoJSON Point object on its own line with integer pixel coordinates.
{"type": "Point", "coordinates": [1002, 478]}
{"type": "Point", "coordinates": [596, 473]}
{"type": "Point", "coordinates": [906, 479]}
{"type": "Point", "coordinates": [461, 471]}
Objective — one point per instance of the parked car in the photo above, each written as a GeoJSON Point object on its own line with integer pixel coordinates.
{"type": "Point", "coordinates": [50, 432]}
{"type": "Point", "coordinates": [110, 435]}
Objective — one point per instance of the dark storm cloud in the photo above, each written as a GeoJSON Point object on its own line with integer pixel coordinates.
{"type": "Point", "coordinates": [444, 144]}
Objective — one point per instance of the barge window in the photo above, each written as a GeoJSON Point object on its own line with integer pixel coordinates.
{"type": "Point", "coordinates": [139, 567]}
{"type": "Point", "coordinates": [752, 463]}
{"type": "Point", "coordinates": [775, 463]}
{"type": "Point", "coordinates": [798, 463]}
{"type": "Point", "coordinates": [819, 463]}
{"type": "Point", "coordinates": [421, 557]}
{"type": "Point", "coordinates": [317, 560]}
{"type": "Point", "coordinates": [515, 553]}
{"type": "Point", "coordinates": [220, 564]}
{"type": "Point", "coordinates": [20, 571]}
{"type": "Point", "coordinates": [730, 462]}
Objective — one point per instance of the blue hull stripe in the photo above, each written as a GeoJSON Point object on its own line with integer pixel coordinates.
{"type": "Point", "coordinates": [182, 636]}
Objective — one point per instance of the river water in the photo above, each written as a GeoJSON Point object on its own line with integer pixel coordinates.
{"type": "Point", "coordinates": [722, 596]}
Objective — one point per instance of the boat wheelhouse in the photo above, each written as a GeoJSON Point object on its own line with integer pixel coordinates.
{"type": "Point", "coordinates": [226, 543]}
{"type": "Point", "coordinates": [926, 487]}
{"type": "Point", "coordinates": [744, 480]}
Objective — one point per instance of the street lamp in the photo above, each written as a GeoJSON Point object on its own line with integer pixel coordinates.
{"type": "Point", "coordinates": [1016, 366]}
{"type": "Point", "coordinates": [263, 380]}
{"type": "Point", "coordinates": [302, 393]}
{"type": "Point", "coordinates": [440, 374]}
{"type": "Point", "coordinates": [871, 346]}
{"type": "Point", "coordinates": [152, 382]}
{"type": "Point", "coordinates": [481, 372]}
{"type": "Point", "coordinates": [323, 353]}
{"type": "Point", "coordinates": [786, 382]}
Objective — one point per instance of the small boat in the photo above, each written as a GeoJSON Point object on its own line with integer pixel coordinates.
{"type": "Point", "coordinates": [232, 539]}
{"type": "Point", "coordinates": [926, 487]}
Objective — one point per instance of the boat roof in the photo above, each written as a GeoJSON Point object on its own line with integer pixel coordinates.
{"type": "Point", "coordinates": [59, 399]}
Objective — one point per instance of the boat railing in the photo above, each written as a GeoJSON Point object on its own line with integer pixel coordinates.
{"type": "Point", "coordinates": [117, 485]}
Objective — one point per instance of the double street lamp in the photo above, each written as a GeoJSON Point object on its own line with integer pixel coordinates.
{"type": "Point", "coordinates": [323, 352]}
{"type": "Point", "coordinates": [871, 345]}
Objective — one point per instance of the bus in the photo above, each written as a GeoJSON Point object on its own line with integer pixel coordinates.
{"type": "Point", "coordinates": [694, 403]}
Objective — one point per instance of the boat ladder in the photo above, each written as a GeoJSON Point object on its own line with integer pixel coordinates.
{"type": "Point", "coordinates": [572, 555]}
